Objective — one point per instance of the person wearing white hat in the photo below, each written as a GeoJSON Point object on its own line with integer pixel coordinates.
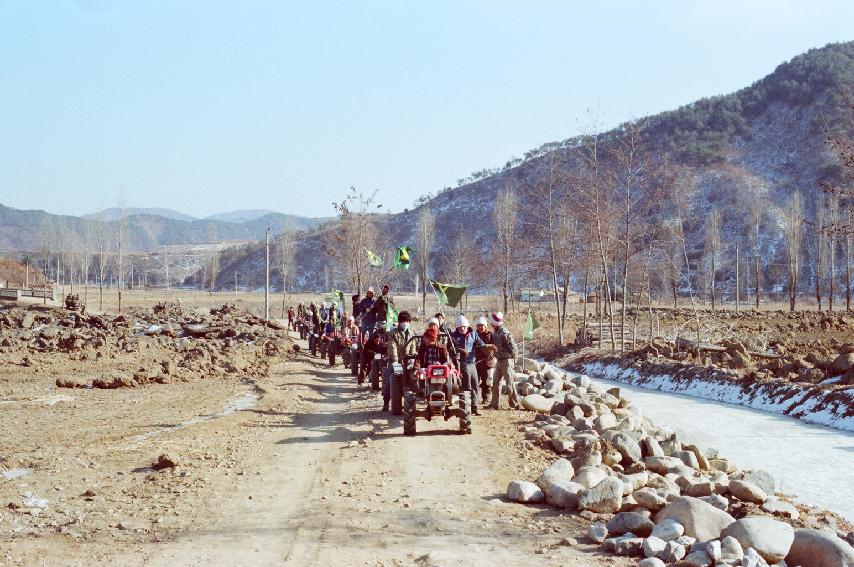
{"type": "Point", "coordinates": [485, 359]}
{"type": "Point", "coordinates": [505, 352]}
{"type": "Point", "coordinates": [465, 340]}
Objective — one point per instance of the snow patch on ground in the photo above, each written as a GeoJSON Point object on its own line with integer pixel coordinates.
{"type": "Point", "coordinates": [799, 402]}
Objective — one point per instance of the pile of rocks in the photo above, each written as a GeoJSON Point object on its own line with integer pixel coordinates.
{"type": "Point", "coordinates": [652, 495]}
{"type": "Point", "coordinates": [184, 343]}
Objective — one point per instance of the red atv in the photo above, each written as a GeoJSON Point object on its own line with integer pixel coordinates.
{"type": "Point", "coordinates": [432, 392]}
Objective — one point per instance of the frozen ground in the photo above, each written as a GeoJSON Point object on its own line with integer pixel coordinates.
{"type": "Point", "coordinates": [812, 463]}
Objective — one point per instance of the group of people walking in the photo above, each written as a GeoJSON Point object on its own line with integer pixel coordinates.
{"type": "Point", "coordinates": [484, 353]}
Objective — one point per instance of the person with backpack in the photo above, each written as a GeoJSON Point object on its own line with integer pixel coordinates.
{"type": "Point", "coordinates": [505, 353]}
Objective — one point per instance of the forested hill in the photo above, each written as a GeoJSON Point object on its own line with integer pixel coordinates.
{"type": "Point", "coordinates": [30, 230]}
{"type": "Point", "coordinates": [756, 145]}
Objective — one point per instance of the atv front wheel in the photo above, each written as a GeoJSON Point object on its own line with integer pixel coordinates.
{"type": "Point", "coordinates": [465, 412]}
{"type": "Point", "coordinates": [409, 413]}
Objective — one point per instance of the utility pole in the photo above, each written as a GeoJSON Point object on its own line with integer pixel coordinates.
{"type": "Point", "coordinates": [267, 274]}
{"type": "Point", "coordinates": [235, 282]}
{"type": "Point", "coordinates": [27, 285]}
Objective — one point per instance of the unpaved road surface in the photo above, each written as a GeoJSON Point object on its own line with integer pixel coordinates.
{"type": "Point", "coordinates": [323, 478]}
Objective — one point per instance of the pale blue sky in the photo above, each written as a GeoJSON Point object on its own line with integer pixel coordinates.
{"type": "Point", "coordinates": [209, 106]}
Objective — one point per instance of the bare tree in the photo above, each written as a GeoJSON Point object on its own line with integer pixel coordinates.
{"type": "Point", "coordinates": [348, 241]}
{"type": "Point", "coordinates": [756, 206]}
{"type": "Point", "coordinates": [544, 221]}
{"type": "Point", "coordinates": [102, 237]}
{"type": "Point", "coordinates": [505, 217]}
{"type": "Point", "coordinates": [121, 227]}
{"type": "Point", "coordinates": [713, 244]}
{"type": "Point", "coordinates": [819, 228]}
{"type": "Point", "coordinates": [833, 229]}
{"type": "Point", "coordinates": [793, 227]}
{"type": "Point", "coordinates": [424, 229]}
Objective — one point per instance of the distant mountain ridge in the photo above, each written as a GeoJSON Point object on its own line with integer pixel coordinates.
{"type": "Point", "coordinates": [115, 213]}
{"type": "Point", "coordinates": [236, 216]}
{"type": "Point", "coordinates": [241, 215]}
{"type": "Point", "coordinates": [31, 230]}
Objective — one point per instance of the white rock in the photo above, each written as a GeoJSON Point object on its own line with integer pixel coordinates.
{"type": "Point", "coordinates": [819, 549]}
{"type": "Point", "coordinates": [775, 506]}
{"type": "Point", "coordinates": [731, 551]}
{"type": "Point", "coordinates": [700, 519]}
{"type": "Point", "coordinates": [698, 558]}
{"type": "Point", "coordinates": [668, 529]}
{"type": "Point", "coordinates": [525, 492]}
{"type": "Point", "coordinates": [747, 491]}
{"type": "Point", "coordinates": [713, 550]}
{"type": "Point", "coordinates": [651, 562]}
{"type": "Point", "coordinates": [753, 558]}
{"type": "Point", "coordinates": [653, 546]}
{"type": "Point", "coordinates": [588, 477]}
{"type": "Point", "coordinates": [770, 538]}
{"type": "Point", "coordinates": [597, 532]}
{"type": "Point", "coordinates": [607, 496]}
{"type": "Point", "coordinates": [538, 403]}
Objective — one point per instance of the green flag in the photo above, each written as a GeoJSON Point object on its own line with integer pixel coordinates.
{"type": "Point", "coordinates": [448, 294]}
{"type": "Point", "coordinates": [530, 325]}
{"type": "Point", "coordinates": [401, 258]}
{"type": "Point", "coordinates": [338, 295]}
{"type": "Point", "coordinates": [390, 317]}
{"type": "Point", "coordinates": [373, 259]}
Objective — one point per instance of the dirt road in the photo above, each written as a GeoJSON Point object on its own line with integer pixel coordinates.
{"type": "Point", "coordinates": [329, 480]}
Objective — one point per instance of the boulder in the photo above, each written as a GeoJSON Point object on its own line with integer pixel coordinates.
{"type": "Point", "coordinates": [524, 492]}
{"type": "Point", "coordinates": [673, 552]}
{"type": "Point", "coordinates": [650, 447]}
{"type": "Point", "coordinates": [698, 558]}
{"type": "Point", "coordinates": [747, 491]}
{"type": "Point", "coordinates": [630, 522]}
{"type": "Point", "coordinates": [653, 546]}
{"type": "Point", "coordinates": [538, 403]}
{"type": "Point", "coordinates": [604, 422]}
{"type": "Point", "coordinates": [628, 448]}
{"type": "Point", "coordinates": [597, 532]}
{"type": "Point", "coordinates": [649, 499]}
{"type": "Point", "coordinates": [559, 471]}
{"type": "Point", "coordinates": [763, 480]}
{"type": "Point", "coordinates": [628, 546]}
{"type": "Point", "coordinates": [552, 374]}
{"type": "Point", "coordinates": [753, 559]}
{"type": "Point", "coordinates": [563, 494]}
{"type": "Point", "coordinates": [668, 530]}
{"type": "Point", "coordinates": [605, 497]}
{"type": "Point", "coordinates": [588, 477]}
{"type": "Point", "coordinates": [780, 508]}
{"type": "Point", "coordinates": [770, 538]}
{"type": "Point", "coordinates": [530, 365]}
{"type": "Point", "coordinates": [662, 465]}
{"type": "Point", "coordinates": [700, 519]}
{"type": "Point", "coordinates": [717, 501]}
{"type": "Point", "coordinates": [819, 549]}
{"type": "Point", "coordinates": [580, 380]}
{"type": "Point", "coordinates": [731, 551]}
{"type": "Point", "coordinates": [651, 562]}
